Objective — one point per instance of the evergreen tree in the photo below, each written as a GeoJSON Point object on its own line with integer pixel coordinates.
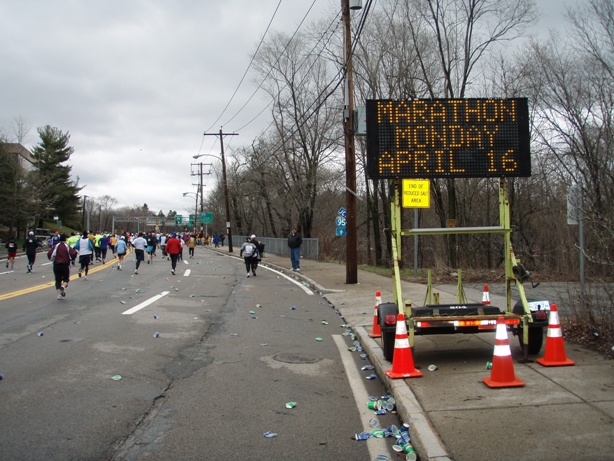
{"type": "Point", "coordinates": [55, 191]}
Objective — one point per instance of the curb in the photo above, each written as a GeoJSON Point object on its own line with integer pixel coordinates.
{"type": "Point", "coordinates": [423, 436]}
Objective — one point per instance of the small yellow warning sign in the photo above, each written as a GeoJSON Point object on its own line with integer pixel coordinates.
{"type": "Point", "coordinates": [416, 193]}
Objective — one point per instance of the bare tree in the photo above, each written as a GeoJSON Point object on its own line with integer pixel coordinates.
{"type": "Point", "coordinates": [305, 114]}
{"type": "Point", "coordinates": [572, 86]}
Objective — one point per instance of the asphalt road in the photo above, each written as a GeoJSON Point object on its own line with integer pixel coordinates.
{"type": "Point", "coordinates": [228, 355]}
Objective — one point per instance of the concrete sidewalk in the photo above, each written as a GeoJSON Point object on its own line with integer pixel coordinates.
{"type": "Point", "coordinates": [560, 413]}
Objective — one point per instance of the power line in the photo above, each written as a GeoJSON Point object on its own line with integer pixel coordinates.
{"type": "Point", "coordinates": [248, 67]}
{"type": "Point", "coordinates": [269, 73]}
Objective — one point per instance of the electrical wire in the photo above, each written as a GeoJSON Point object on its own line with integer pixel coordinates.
{"type": "Point", "coordinates": [248, 67]}
{"type": "Point", "coordinates": [279, 57]}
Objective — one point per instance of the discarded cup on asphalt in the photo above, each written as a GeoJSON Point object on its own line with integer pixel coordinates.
{"type": "Point", "coordinates": [367, 367]}
{"type": "Point", "coordinates": [371, 377]}
{"type": "Point", "coordinates": [363, 436]}
{"type": "Point", "coordinates": [156, 335]}
{"type": "Point", "coordinates": [432, 367]}
{"type": "Point", "coordinates": [382, 458]}
{"type": "Point", "coordinates": [381, 412]}
{"type": "Point", "coordinates": [290, 405]}
{"type": "Point", "coordinates": [376, 405]}
{"type": "Point", "coordinates": [378, 433]}
{"type": "Point", "coordinates": [116, 377]}
{"type": "Point", "coordinates": [40, 333]}
{"type": "Point", "coordinates": [373, 422]}
{"type": "Point", "coordinates": [411, 453]}
{"type": "Point", "coordinates": [270, 435]}
{"type": "Point", "coordinates": [318, 339]}
{"type": "Point", "coordinates": [488, 365]}
{"type": "Point", "coordinates": [155, 317]}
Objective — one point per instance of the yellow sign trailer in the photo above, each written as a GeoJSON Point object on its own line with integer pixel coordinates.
{"type": "Point", "coordinates": [526, 319]}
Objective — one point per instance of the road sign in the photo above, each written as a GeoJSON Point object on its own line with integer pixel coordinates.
{"type": "Point", "coordinates": [416, 193]}
{"type": "Point", "coordinates": [178, 219]}
{"type": "Point", "coordinates": [340, 221]}
{"type": "Point", "coordinates": [448, 138]}
{"type": "Point", "coordinates": [342, 212]}
{"type": "Point", "coordinates": [341, 232]}
{"type": "Point", "coordinates": [206, 218]}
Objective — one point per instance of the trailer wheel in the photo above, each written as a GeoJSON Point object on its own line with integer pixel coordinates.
{"type": "Point", "coordinates": [536, 333]}
{"type": "Point", "coordinates": [536, 339]}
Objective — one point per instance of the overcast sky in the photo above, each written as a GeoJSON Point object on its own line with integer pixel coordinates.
{"type": "Point", "coordinates": [137, 82]}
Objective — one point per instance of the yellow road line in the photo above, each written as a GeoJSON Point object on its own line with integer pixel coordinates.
{"type": "Point", "coordinates": [50, 284]}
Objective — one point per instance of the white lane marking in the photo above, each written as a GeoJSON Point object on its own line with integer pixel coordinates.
{"type": "Point", "coordinates": [376, 445]}
{"type": "Point", "coordinates": [185, 261]}
{"type": "Point", "coordinates": [303, 287]}
{"type": "Point", "coordinates": [187, 272]}
{"type": "Point", "coordinates": [46, 264]}
{"type": "Point", "coordinates": [145, 304]}
{"type": "Point", "coordinates": [296, 282]}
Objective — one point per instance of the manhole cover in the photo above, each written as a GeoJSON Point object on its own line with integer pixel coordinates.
{"type": "Point", "coordinates": [296, 358]}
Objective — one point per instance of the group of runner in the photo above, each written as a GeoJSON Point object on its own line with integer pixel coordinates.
{"type": "Point", "coordinates": [87, 248]}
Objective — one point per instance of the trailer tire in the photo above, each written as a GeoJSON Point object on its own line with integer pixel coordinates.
{"type": "Point", "coordinates": [536, 333]}
{"type": "Point", "coordinates": [536, 339]}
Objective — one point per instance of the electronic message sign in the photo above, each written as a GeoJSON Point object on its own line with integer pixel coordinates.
{"type": "Point", "coordinates": [448, 138]}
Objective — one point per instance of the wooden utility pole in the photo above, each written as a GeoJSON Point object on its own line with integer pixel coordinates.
{"type": "Point", "coordinates": [351, 247]}
{"type": "Point", "coordinates": [227, 202]}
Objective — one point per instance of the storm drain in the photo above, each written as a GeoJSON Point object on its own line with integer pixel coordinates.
{"type": "Point", "coordinates": [297, 358]}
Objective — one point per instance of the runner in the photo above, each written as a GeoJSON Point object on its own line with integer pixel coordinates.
{"type": "Point", "coordinates": [30, 246]}
{"type": "Point", "coordinates": [85, 247]}
{"type": "Point", "coordinates": [191, 245]}
{"type": "Point", "coordinates": [173, 249]}
{"type": "Point", "coordinates": [151, 246]}
{"type": "Point", "coordinates": [11, 246]}
{"type": "Point", "coordinates": [61, 255]}
{"type": "Point", "coordinates": [121, 248]}
{"type": "Point", "coordinates": [139, 245]}
{"type": "Point", "coordinates": [103, 243]}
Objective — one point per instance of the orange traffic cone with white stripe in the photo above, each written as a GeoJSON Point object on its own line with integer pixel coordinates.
{"type": "Point", "coordinates": [486, 296]}
{"type": "Point", "coordinates": [376, 332]}
{"type": "Point", "coordinates": [402, 360]}
{"type": "Point", "coordinates": [502, 374]}
{"type": "Point", "coordinates": [554, 355]}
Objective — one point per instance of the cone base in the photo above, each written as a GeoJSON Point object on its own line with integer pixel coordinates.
{"type": "Point", "coordinates": [411, 374]}
{"type": "Point", "coordinates": [375, 335]}
{"type": "Point", "coordinates": [496, 384]}
{"type": "Point", "coordinates": [558, 363]}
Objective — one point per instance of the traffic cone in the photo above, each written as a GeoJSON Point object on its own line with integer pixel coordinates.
{"type": "Point", "coordinates": [402, 360]}
{"type": "Point", "coordinates": [502, 374]}
{"type": "Point", "coordinates": [486, 296]}
{"type": "Point", "coordinates": [554, 355]}
{"type": "Point", "coordinates": [376, 332]}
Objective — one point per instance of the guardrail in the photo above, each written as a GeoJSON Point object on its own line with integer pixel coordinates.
{"type": "Point", "coordinates": [310, 247]}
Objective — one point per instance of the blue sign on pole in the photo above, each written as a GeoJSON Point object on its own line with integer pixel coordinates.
{"type": "Point", "coordinates": [340, 221]}
{"type": "Point", "coordinates": [342, 212]}
{"type": "Point", "coordinates": [340, 232]}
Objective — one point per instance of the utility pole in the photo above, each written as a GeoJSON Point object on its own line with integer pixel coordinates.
{"type": "Point", "coordinates": [351, 248]}
{"type": "Point", "coordinates": [221, 134]}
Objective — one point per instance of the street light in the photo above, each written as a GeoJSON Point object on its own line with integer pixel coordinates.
{"type": "Point", "coordinates": [228, 228]}
{"type": "Point", "coordinates": [185, 194]}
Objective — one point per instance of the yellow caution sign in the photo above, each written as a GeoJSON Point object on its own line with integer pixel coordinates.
{"type": "Point", "coordinates": [416, 193]}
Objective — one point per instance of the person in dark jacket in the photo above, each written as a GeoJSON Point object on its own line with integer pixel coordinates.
{"type": "Point", "coordinates": [294, 242]}
{"type": "Point", "coordinates": [61, 255]}
{"type": "Point", "coordinates": [30, 246]}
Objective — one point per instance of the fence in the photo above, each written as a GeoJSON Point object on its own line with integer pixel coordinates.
{"type": "Point", "coordinates": [279, 246]}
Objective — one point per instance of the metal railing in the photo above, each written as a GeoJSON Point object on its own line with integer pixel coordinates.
{"type": "Point", "coordinates": [310, 247]}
